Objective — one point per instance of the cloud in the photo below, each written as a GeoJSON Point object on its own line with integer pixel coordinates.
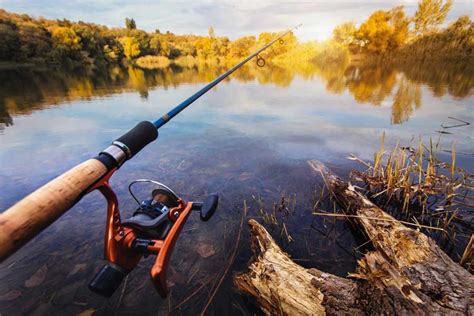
{"type": "Point", "coordinates": [229, 18]}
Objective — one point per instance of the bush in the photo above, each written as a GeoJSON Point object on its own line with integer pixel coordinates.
{"type": "Point", "coordinates": [151, 62]}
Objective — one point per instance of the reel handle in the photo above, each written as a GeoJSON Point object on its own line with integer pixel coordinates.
{"type": "Point", "coordinates": [208, 207]}
{"type": "Point", "coordinates": [107, 280]}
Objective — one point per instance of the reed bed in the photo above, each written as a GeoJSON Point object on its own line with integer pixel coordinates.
{"type": "Point", "coordinates": [416, 186]}
{"type": "Point", "coordinates": [153, 62]}
{"type": "Point", "coordinates": [276, 218]}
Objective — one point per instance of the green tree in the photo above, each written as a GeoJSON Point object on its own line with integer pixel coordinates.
{"type": "Point", "coordinates": [35, 41]}
{"type": "Point", "coordinates": [430, 14]}
{"type": "Point", "coordinates": [131, 47]}
{"type": "Point", "coordinates": [91, 41]}
{"type": "Point", "coordinates": [130, 24]}
{"type": "Point", "coordinates": [112, 50]}
{"type": "Point", "coordinates": [143, 40]}
{"type": "Point", "coordinates": [66, 45]}
{"type": "Point", "coordinates": [9, 40]}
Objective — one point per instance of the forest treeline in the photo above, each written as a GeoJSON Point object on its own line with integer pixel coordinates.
{"type": "Point", "coordinates": [394, 33]}
{"type": "Point", "coordinates": [23, 38]}
{"type": "Point", "coordinates": [385, 33]}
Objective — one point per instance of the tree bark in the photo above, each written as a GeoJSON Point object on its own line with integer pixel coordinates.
{"type": "Point", "coordinates": [407, 273]}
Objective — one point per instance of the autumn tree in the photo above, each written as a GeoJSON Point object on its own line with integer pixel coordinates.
{"type": "Point", "coordinates": [131, 47]}
{"type": "Point", "coordinates": [187, 48]}
{"type": "Point", "coordinates": [241, 47]}
{"type": "Point", "coordinates": [66, 44]}
{"type": "Point", "coordinates": [344, 33]}
{"type": "Point", "coordinates": [430, 14]}
{"type": "Point", "coordinates": [400, 26]}
{"type": "Point", "coordinates": [462, 26]}
{"type": "Point", "coordinates": [130, 24]}
{"type": "Point", "coordinates": [375, 33]}
{"type": "Point", "coordinates": [166, 45]}
{"type": "Point", "coordinates": [456, 42]}
{"type": "Point", "coordinates": [384, 31]}
{"type": "Point", "coordinates": [142, 38]}
{"type": "Point", "coordinates": [112, 50]}
{"type": "Point", "coordinates": [66, 38]}
{"type": "Point", "coordinates": [287, 43]}
{"type": "Point", "coordinates": [220, 46]}
{"type": "Point", "coordinates": [155, 44]}
{"type": "Point", "coordinates": [204, 47]}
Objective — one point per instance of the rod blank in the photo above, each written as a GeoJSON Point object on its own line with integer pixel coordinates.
{"type": "Point", "coordinates": [175, 111]}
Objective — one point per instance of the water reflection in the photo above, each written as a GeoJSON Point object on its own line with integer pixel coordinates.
{"type": "Point", "coordinates": [26, 90]}
{"type": "Point", "coordinates": [250, 138]}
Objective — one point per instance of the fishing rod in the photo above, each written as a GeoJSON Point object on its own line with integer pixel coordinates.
{"type": "Point", "coordinates": [175, 111]}
{"type": "Point", "coordinates": [154, 226]}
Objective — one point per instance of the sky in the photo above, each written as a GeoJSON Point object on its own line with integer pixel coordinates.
{"type": "Point", "coordinates": [229, 18]}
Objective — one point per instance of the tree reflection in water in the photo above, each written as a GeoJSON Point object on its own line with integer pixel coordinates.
{"type": "Point", "coordinates": [26, 90]}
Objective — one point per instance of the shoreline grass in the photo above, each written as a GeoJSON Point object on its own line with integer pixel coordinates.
{"type": "Point", "coordinates": [414, 185]}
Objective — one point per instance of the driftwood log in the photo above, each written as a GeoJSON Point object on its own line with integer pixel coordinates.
{"type": "Point", "coordinates": [406, 273]}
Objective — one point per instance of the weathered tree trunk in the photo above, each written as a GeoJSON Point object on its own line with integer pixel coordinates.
{"type": "Point", "coordinates": [406, 274]}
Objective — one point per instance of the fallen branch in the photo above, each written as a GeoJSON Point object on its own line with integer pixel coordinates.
{"type": "Point", "coordinates": [379, 219]}
{"type": "Point", "coordinates": [407, 273]}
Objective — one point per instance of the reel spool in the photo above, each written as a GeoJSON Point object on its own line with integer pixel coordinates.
{"type": "Point", "coordinates": [153, 228]}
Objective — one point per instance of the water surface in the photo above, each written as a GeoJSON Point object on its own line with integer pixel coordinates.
{"type": "Point", "coordinates": [248, 140]}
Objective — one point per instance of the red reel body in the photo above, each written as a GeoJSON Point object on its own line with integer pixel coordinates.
{"type": "Point", "coordinates": [153, 229]}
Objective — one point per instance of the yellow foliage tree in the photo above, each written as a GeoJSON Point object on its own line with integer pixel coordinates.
{"type": "Point", "coordinates": [131, 47]}
{"type": "Point", "coordinates": [66, 38]}
{"type": "Point", "coordinates": [204, 47]}
{"type": "Point", "coordinates": [430, 14]}
{"type": "Point", "coordinates": [344, 33]}
{"type": "Point", "coordinates": [384, 31]}
{"type": "Point", "coordinates": [241, 47]}
{"type": "Point", "coordinates": [287, 44]}
{"type": "Point", "coordinates": [375, 33]}
{"type": "Point", "coordinates": [400, 24]}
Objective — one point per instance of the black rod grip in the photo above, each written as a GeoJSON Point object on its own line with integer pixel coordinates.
{"type": "Point", "coordinates": [138, 137]}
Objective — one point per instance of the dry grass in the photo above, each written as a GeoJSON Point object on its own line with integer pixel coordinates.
{"type": "Point", "coordinates": [152, 62]}
{"type": "Point", "coordinates": [276, 218]}
{"type": "Point", "coordinates": [415, 185]}
{"type": "Point", "coordinates": [467, 259]}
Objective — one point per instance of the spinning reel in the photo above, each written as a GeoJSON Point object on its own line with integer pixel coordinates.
{"type": "Point", "coordinates": [153, 229]}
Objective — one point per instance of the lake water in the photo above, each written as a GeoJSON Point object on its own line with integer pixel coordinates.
{"type": "Point", "coordinates": [248, 139]}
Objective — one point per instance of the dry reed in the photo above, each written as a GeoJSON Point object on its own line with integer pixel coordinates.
{"type": "Point", "coordinates": [415, 185]}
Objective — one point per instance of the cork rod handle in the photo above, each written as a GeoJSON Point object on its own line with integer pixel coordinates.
{"type": "Point", "coordinates": [24, 220]}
